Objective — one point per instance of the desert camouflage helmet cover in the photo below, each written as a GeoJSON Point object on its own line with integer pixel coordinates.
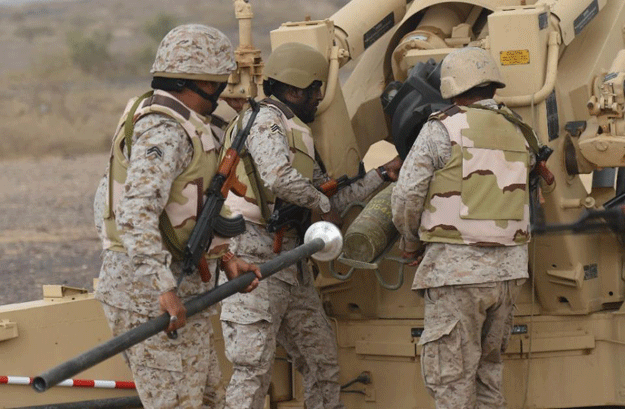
{"type": "Point", "coordinates": [196, 52]}
{"type": "Point", "coordinates": [466, 68]}
{"type": "Point", "coordinates": [296, 64]}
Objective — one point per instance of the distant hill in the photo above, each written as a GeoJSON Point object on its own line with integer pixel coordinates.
{"type": "Point", "coordinates": [68, 67]}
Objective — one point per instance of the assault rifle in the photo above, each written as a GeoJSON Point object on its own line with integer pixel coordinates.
{"type": "Point", "coordinates": [209, 220]}
{"type": "Point", "coordinates": [291, 216]}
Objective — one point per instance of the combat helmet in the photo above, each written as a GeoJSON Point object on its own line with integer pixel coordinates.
{"type": "Point", "coordinates": [296, 64]}
{"type": "Point", "coordinates": [466, 68]}
{"type": "Point", "coordinates": [194, 52]}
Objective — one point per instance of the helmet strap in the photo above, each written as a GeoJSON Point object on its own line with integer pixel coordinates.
{"type": "Point", "coordinates": [212, 98]}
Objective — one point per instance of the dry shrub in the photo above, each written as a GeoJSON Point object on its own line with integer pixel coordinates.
{"type": "Point", "coordinates": [159, 26]}
{"type": "Point", "coordinates": [31, 33]}
{"type": "Point", "coordinates": [90, 52]}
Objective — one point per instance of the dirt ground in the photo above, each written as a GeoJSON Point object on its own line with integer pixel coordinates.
{"type": "Point", "coordinates": [47, 234]}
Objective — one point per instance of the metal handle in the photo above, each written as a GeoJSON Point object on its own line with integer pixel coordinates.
{"type": "Point", "coordinates": [375, 266]}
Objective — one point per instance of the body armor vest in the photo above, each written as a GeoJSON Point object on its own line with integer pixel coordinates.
{"type": "Point", "coordinates": [186, 196]}
{"type": "Point", "coordinates": [257, 203]}
{"type": "Point", "coordinates": [481, 196]}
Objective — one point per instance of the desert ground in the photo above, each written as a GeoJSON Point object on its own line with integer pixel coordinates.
{"type": "Point", "coordinates": [57, 117]}
{"type": "Point", "coordinates": [47, 234]}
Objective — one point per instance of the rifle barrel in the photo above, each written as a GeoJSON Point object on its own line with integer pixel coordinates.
{"type": "Point", "coordinates": [152, 327]}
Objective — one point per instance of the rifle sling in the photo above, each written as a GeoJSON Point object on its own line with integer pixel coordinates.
{"type": "Point", "coordinates": [253, 176]}
{"type": "Point", "coordinates": [169, 237]}
{"type": "Point", "coordinates": [129, 124]}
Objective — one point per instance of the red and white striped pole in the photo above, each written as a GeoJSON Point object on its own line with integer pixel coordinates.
{"type": "Point", "coordinates": [75, 383]}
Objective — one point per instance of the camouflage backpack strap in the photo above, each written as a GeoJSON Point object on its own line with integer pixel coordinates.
{"type": "Point", "coordinates": [528, 132]}
{"type": "Point", "coordinates": [254, 177]}
{"type": "Point", "coordinates": [129, 124]}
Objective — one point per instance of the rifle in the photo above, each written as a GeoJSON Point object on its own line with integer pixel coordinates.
{"type": "Point", "coordinates": [291, 216]}
{"type": "Point", "coordinates": [209, 220]}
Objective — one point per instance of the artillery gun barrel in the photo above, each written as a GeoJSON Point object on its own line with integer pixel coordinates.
{"type": "Point", "coordinates": [124, 341]}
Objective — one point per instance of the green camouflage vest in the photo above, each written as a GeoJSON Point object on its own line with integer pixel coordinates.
{"type": "Point", "coordinates": [187, 191]}
{"type": "Point", "coordinates": [481, 196]}
{"type": "Point", "coordinates": [257, 203]}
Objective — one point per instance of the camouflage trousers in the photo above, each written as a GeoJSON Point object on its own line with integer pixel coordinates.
{"type": "Point", "coordinates": [180, 373]}
{"type": "Point", "coordinates": [297, 321]}
{"type": "Point", "coordinates": [467, 329]}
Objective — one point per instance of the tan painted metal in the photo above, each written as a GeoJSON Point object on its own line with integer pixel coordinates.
{"type": "Point", "coordinates": [359, 17]}
{"type": "Point", "coordinates": [49, 332]}
{"type": "Point", "coordinates": [247, 78]}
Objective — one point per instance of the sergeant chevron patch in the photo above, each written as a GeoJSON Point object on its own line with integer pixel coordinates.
{"type": "Point", "coordinates": [154, 150]}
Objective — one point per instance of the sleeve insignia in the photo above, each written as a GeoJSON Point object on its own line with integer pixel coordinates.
{"type": "Point", "coordinates": [154, 151]}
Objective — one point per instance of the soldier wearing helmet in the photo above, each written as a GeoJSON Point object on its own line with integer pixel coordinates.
{"type": "Point", "coordinates": [464, 192]}
{"type": "Point", "coordinates": [163, 157]}
{"type": "Point", "coordinates": [281, 165]}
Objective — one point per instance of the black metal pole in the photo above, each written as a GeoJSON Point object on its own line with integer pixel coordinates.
{"type": "Point", "coordinates": [130, 402]}
{"type": "Point", "coordinates": [124, 341]}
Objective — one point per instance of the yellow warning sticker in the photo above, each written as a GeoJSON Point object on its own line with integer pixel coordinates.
{"type": "Point", "coordinates": [515, 57]}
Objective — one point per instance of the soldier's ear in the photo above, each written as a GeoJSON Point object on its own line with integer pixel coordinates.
{"type": "Point", "coordinates": [293, 94]}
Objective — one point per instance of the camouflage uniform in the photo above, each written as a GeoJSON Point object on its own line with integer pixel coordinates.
{"type": "Point", "coordinates": [284, 308]}
{"type": "Point", "coordinates": [466, 287]}
{"type": "Point", "coordinates": [129, 287]}
{"type": "Point", "coordinates": [173, 155]}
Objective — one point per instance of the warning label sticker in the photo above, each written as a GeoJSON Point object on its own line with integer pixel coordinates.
{"type": "Point", "coordinates": [514, 57]}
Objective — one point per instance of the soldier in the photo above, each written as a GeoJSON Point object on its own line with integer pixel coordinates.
{"type": "Point", "coordinates": [285, 308]}
{"type": "Point", "coordinates": [163, 158]}
{"type": "Point", "coordinates": [464, 191]}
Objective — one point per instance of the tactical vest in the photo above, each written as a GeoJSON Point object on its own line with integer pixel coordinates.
{"type": "Point", "coordinates": [187, 192]}
{"type": "Point", "coordinates": [481, 196]}
{"type": "Point", "coordinates": [258, 201]}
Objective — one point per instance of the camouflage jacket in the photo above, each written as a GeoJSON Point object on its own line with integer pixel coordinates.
{"type": "Point", "coordinates": [135, 280]}
{"type": "Point", "coordinates": [443, 263]}
{"type": "Point", "coordinates": [268, 146]}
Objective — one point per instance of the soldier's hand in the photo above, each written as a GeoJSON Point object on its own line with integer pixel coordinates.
{"type": "Point", "coordinates": [333, 217]}
{"type": "Point", "coordinates": [392, 168]}
{"type": "Point", "coordinates": [234, 267]}
{"type": "Point", "coordinates": [171, 304]}
{"type": "Point", "coordinates": [415, 256]}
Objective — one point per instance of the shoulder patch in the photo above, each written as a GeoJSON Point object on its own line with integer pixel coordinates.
{"type": "Point", "coordinates": [275, 128]}
{"type": "Point", "coordinates": [154, 151]}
